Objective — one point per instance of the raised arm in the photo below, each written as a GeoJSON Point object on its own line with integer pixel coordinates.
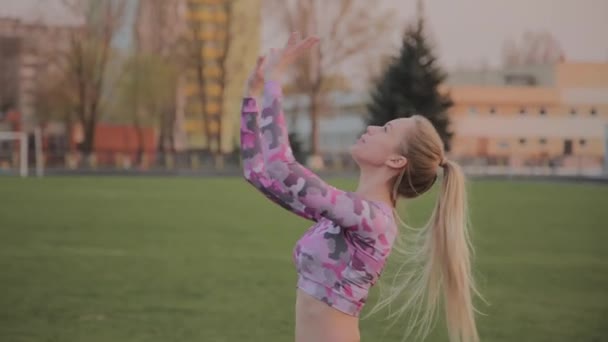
{"type": "Point", "coordinates": [310, 192]}
{"type": "Point", "coordinates": [269, 165]}
{"type": "Point", "coordinates": [254, 169]}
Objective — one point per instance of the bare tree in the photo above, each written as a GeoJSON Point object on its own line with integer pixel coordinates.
{"type": "Point", "coordinates": [194, 50]}
{"type": "Point", "coordinates": [159, 27]}
{"type": "Point", "coordinates": [54, 99]}
{"type": "Point", "coordinates": [227, 9]}
{"type": "Point", "coordinates": [535, 47]}
{"type": "Point", "coordinates": [86, 60]}
{"type": "Point", "coordinates": [38, 87]}
{"type": "Point", "coordinates": [144, 93]}
{"type": "Point", "coordinates": [348, 29]}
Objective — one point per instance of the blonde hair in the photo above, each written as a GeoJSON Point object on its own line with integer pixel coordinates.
{"type": "Point", "coordinates": [438, 261]}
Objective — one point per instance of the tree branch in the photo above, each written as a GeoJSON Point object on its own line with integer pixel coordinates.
{"type": "Point", "coordinates": [345, 8]}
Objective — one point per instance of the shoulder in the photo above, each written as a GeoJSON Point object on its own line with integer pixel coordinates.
{"type": "Point", "coordinates": [385, 224]}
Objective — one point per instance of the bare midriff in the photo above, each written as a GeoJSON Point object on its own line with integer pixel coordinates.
{"type": "Point", "coordinates": [318, 322]}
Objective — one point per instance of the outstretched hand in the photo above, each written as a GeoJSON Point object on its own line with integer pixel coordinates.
{"type": "Point", "coordinates": [280, 59]}
{"type": "Point", "coordinates": [255, 81]}
{"type": "Point", "coordinates": [274, 66]}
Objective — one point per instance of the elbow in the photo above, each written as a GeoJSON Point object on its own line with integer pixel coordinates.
{"type": "Point", "coordinates": [274, 170]}
{"type": "Point", "coordinates": [254, 184]}
{"type": "Point", "coordinates": [278, 168]}
{"type": "Point", "coordinates": [255, 178]}
{"type": "Point", "coordinates": [248, 176]}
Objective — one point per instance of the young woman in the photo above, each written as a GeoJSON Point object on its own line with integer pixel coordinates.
{"type": "Point", "coordinates": [343, 254]}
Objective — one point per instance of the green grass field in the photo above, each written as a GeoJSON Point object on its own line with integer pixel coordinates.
{"type": "Point", "coordinates": [175, 259]}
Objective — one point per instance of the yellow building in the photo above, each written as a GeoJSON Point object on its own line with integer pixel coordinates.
{"type": "Point", "coordinates": [216, 28]}
{"type": "Point", "coordinates": [532, 115]}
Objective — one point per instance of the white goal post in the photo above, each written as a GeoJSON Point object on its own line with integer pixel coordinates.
{"type": "Point", "coordinates": [24, 150]}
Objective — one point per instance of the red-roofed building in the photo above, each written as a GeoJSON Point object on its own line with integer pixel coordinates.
{"type": "Point", "coordinates": [113, 140]}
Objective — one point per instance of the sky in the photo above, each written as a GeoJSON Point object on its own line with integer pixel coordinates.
{"type": "Point", "coordinates": [50, 11]}
{"type": "Point", "coordinates": [469, 31]}
{"type": "Point", "coordinates": [465, 32]}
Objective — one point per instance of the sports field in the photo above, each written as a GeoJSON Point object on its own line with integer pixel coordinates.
{"type": "Point", "coordinates": [209, 259]}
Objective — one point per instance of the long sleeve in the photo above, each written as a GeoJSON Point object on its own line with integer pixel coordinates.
{"type": "Point", "coordinates": [252, 158]}
{"type": "Point", "coordinates": [309, 192]}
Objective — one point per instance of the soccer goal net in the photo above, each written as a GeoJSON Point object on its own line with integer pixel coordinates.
{"type": "Point", "coordinates": [17, 149]}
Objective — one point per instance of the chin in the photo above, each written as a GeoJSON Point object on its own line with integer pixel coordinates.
{"type": "Point", "coordinates": [354, 153]}
{"type": "Point", "coordinates": [365, 158]}
{"type": "Point", "coordinates": [352, 150]}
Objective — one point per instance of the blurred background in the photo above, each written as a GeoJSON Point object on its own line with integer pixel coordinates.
{"type": "Point", "coordinates": [153, 86]}
{"type": "Point", "coordinates": [96, 88]}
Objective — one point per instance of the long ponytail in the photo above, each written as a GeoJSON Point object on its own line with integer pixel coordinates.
{"type": "Point", "coordinates": [449, 258]}
{"type": "Point", "coordinates": [437, 266]}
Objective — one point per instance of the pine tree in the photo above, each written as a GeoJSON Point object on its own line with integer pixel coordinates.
{"type": "Point", "coordinates": [297, 147]}
{"type": "Point", "coordinates": [410, 85]}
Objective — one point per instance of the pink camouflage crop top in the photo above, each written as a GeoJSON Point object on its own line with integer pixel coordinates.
{"type": "Point", "coordinates": [341, 256]}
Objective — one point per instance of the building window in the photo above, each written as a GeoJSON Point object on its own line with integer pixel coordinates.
{"type": "Point", "coordinates": [567, 147]}
{"type": "Point", "coordinates": [593, 111]}
{"type": "Point", "coordinates": [542, 111]}
{"type": "Point", "coordinates": [543, 141]}
{"type": "Point", "coordinates": [522, 141]}
{"type": "Point", "coordinates": [492, 110]}
{"type": "Point", "coordinates": [520, 79]}
{"type": "Point", "coordinates": [572, 111]}
{"type": "Point", "coordinates": [582, 142]}
{"type": "Point", "coordinates": [522, 111]}
{"type": "Point", "coordinates": [472, 110]}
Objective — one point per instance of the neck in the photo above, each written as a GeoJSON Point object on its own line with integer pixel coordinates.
{"type": "Point", "coordinates": [375, 185]}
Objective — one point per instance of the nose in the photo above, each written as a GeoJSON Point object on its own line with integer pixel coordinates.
{"type": "Point", "coordinates": [370, 129]}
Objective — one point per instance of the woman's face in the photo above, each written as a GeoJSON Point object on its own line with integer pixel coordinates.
{"type": "Point", "coordinates": [381, 145]}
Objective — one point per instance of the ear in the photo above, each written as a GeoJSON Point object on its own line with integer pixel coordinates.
{"type": "Point", "coordinates": [395, 161]}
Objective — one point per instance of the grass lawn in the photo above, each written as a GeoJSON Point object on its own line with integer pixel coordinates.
{"type": "Point", "coordinates": [182, 259]}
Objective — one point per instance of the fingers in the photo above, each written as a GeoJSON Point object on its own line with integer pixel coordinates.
{"type": "Point", "coordinates": [308, 43]}
{"type": "Point", "coordinates": [259, 65]}
{"type": "Point", "coordinates": [279, 59]}
{"type": "Point", "coordinates": [304, 45]}
{"type": "Point", "coordinates": [295, 43]}
{"type": "Point", "coordinates": [272, 54]}
{"type": "Point", "coordinates": [294, 39]}
{"type": "Point", "coordinates": [260, 61]}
